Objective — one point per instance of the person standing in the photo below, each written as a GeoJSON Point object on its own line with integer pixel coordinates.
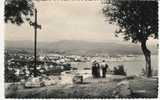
{"type": "Point", "coordinates": [95, 69]}
{"type": "Point", "coordinates": [104, 67]}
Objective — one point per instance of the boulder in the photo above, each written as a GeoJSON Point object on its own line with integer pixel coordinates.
{"type": "Point", "coordinates": [78, 79]}
{"type": "Point", "coordinates": [122, 89]}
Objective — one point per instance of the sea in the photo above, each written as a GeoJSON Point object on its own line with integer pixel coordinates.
{"type": "Point", "coordinates": [133, 66]}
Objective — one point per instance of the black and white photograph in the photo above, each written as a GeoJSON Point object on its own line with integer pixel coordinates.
{"type": "Point", "coordinates": [76, 49]}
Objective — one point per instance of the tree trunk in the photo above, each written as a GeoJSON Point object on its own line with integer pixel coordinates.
{"type": "Point", "coordinates": [147, 55]}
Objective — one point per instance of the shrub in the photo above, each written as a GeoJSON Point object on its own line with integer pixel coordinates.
{"type": "Point", "coordinates": [10, 76]}
{"type": "Point", "coordinates": [119, 70]}
{"type": "Point", "coordinates": [154, 72]}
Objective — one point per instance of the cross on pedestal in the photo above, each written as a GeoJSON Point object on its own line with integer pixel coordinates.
{"type": "Point", "coordinates": [36, 26]}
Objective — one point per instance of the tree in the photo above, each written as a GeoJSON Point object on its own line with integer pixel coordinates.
{"type": "Point", "coordinates": [16, 11]}
{"type": "Point", "coordinates": [137, 21]}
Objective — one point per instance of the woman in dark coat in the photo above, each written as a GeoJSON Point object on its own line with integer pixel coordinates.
{"type": "Point", "coordinates": [95, 69]}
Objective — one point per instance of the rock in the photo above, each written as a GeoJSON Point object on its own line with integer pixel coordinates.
{"type": "Point", "coordinates": [122, 90]}
{"type": "Point", "coordinates": [78, 79]}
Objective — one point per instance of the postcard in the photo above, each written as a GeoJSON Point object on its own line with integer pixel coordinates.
{"type": "Point", "coordinates": [76, 49]}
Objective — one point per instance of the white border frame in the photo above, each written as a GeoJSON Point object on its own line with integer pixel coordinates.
{"type": "Point", "coordinates": [2, 32]}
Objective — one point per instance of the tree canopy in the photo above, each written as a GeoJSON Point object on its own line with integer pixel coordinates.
{"type": "Point", "coordinates": [17, 11]}
{"type": "Point", "coordinates": [137, 19]}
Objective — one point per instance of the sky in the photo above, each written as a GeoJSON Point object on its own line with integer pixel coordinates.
{"type": "Point", "coordinates": [67, 20]}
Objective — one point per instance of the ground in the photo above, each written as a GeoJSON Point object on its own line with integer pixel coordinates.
{"type": "Point", "coordinates": [144, 87]}
{"type": "Point", "coordinates": [91, 88]}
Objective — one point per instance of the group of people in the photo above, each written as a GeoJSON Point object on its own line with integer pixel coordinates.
{"type": "Point", "coordinates": [99, 69]}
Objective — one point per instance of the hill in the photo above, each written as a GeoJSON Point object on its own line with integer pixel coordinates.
{"type": "Point", "coordinates": [82, 47]}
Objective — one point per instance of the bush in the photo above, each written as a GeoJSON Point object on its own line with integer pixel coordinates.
{"type": "Point", "coordinates": [10, 76]}
{"type": "Point", "coordinates": [119, 70]}
{"type": "Point", "coordinates": [154, 72]}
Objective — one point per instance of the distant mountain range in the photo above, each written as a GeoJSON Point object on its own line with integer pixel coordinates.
{"type": "Point", "coordinates": [82, 47]}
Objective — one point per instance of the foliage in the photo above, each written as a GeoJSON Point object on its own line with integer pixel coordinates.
{"type": "Point", "coordinates": [154, 72]}
{"type": "Point", "coordinates": [119, 70]}
{"type": "Point", "coordinates": [137, 20]}
{"type": "Point", "coordinates": [17, 11]}
{"type": "Point", "coordinates": [10, 76]}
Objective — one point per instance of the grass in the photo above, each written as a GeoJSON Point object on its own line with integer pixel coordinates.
{"type": "Point", "coordinates": [144, 88]}
{"type": "Point", "coordinates": [92, 88]}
